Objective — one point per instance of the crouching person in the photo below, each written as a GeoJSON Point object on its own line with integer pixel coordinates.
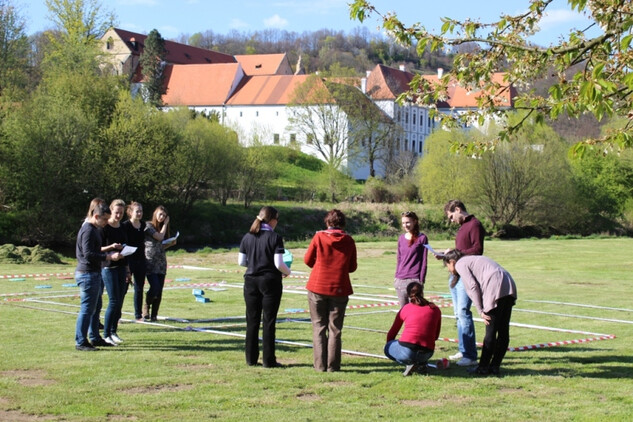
{"type": "Point", "coordinates": [422, 322]}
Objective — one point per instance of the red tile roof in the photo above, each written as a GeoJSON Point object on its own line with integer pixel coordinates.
{"type": "Point", "coordinates": [176, 52]}
{"type": "Point", "coordinates": [200, 84]}
{"type": "Point", "coordinates": [263, 64]}
{"type": "Point", "coordinates": [267, 90]}
{"type": "Point", "coordinates": [460, 97]}
{"type": "Point", "coordinates": [386, 83]}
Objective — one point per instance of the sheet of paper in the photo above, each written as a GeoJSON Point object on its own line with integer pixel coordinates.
{"type": "Point", "coordinates": [171, 239]}
{"type": "Point", "coordinates": [128, 250]}
{"type": "Point", "coordinates": [433, 251]}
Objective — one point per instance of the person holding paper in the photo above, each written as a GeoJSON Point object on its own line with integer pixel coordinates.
{"type": "Point", "coordinates": [410, 257]}
{"type": "Point", "coordinates": [469, 240]}
{"type": "Point", "coordinates": [115, 274]}
{"type": "Point", "coordinates": [88, 275]}
{"type": "Point", "coordinates": [135, 229]}
{"type": "Point", "coordinates": [155, 232]}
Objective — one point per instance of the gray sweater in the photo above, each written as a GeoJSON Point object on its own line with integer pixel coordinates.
{"type": "Point", "coordinates": [485, 281]}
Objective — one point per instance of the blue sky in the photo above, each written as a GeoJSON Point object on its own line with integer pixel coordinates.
{"type": "Point", "coordinates": [175, 17]}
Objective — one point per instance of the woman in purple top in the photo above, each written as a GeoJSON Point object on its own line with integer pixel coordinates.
{"type": "Point", "coordinates": [410, 257]}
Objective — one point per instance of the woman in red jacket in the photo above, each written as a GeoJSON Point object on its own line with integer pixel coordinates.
{"type": "Point", "coordinates": [422, 322]}
{"type": "Point", "coordinates": [332, 256]}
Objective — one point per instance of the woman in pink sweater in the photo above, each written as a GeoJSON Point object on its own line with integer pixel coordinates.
{"type": "Point", "coordinates": [422, 322]}
{"type": "Point", "coordinates": [332, 256]}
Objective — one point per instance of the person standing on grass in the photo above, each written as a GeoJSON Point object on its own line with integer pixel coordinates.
{"type": "Point", "coordinates": [422, 323]}
{"type": "Point", "coordinates": [494, 293]}
{"type": "Point", "coordinates": [410, 257]}
{"type": "Point", "coordinates": [469, 240]}
{"type": "Point", "coordinates": [332, 256]}
{"type": "Point", "coordinates": [155, 232]}
{"type": "Point", "coordinates": [115, 274]}
{"type": "Point", "coordinates": [88, 274]}
{"type": "Point", "coordinates": [261, 252]}
{"type": "Point", "coordinates": [135, 230]}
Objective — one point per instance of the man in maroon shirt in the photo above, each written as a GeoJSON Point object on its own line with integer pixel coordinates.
{"type": "Point", "coordinates": [469, 240]}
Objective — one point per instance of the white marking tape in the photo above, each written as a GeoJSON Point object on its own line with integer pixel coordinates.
{"type": "Point", "coordinates": [578, 304]}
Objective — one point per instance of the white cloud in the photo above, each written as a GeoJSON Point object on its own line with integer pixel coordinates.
{"type": "Point", "coordinates": [238, 24]}
{"type": "Point", "coordinates": [560, 18]}
{"type": "Point", "coordinates": [275, 21]}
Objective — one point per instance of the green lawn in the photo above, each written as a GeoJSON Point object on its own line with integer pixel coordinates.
{"type": "Point", "coordinates": [190, 366]}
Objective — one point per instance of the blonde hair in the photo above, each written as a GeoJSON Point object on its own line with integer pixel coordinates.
{"type": "Point", "coordinates": [117, 203]}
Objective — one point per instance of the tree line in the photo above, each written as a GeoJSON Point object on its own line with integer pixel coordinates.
{"type": "Point", "coordinates": [69, 132]}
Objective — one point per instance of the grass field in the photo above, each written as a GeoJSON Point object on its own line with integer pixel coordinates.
{"type": "Point", "coordinates": [190, 365]}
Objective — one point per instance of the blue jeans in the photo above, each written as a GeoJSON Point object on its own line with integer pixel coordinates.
{"type": "Point", "coordinates": [90, 289]}
{"type": "Point", "coordinates": [406, 356]}
{"type": "Point", "coordinates": [116, 286]}
{"type": "Point", "coordinates": [465, 325]}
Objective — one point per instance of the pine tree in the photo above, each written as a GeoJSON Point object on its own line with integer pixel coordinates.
{"type": "Point", "coordinates": [152, 63]}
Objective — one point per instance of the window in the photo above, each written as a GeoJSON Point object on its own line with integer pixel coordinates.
{"type": "Point", "coordinates": [276, 138]}
{"type": "Point", "coordinates": [110, 43]}
{"type": "Point", "coordinates": [257, 114]}
{"type": "Point", "coordinates": [293, 138]}
{"type": "Point", "coordinates": [420, 147]}
{"type": "Point", "coordinates": [399, 116]}
{"type": "Point", "coordinates": [240, 114]}
{"type": "Point", "coordinates": [406, 117]}
{"type": "Point", "coordinates": [413, 117]}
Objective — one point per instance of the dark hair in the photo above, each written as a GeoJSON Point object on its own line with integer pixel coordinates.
{"type": "Point", "coordinates": [335, 219]}
{"type": "Point", "coordinates": [452, 204]}
{"type": "Point", "coordinates": [101, 209]}
{"type": "Point", "coordinates": [414, 292]}
{"type": "Point", "coordinates": [416, 225]}
{"type": "Point", "coordinates": [266, 214]}
{"type": "Point", "coordinates": [452, 255]}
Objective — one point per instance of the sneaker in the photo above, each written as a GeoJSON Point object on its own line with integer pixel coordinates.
{"type": "Point", "coordinates": [456, 356]}
{"type": "Point", "coordinates": [116, 338]}
{"type": "Point", "coordinates": [101, 343]}
{"type": "Point", "coordinates": [466, 362]}
{"type": "Point", "coordinates": [408, 370]}
{"type": "Point", "coordinates": [85, 347]}
{"type": "Point", "coordinates": [479, 370]}
{"type": "Point", "coordinates": [110, 341]}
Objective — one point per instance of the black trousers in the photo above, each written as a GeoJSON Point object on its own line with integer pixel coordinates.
{"type": "Point", "coordinates": [497, 336]}
{"type": "Point", "coordinates": [262, 295]}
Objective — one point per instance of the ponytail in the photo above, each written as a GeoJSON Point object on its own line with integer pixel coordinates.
{"type": "Point", "coordinates": [414, 292]}
{"type": "Point", "coordinates": [266, 214]}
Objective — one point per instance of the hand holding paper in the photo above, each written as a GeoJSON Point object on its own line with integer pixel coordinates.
{"type": "Point", "coordinates": [171, 239]}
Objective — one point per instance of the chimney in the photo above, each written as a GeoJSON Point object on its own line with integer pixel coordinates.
{"type": "Point", "coordinates": [440, 73]}
{"type": "Point", "coordinates": [402, 68]}
{"type": "Point", "coordinates": [363, 85]}
{"type": "Point", "coordinates": [367, 73]}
